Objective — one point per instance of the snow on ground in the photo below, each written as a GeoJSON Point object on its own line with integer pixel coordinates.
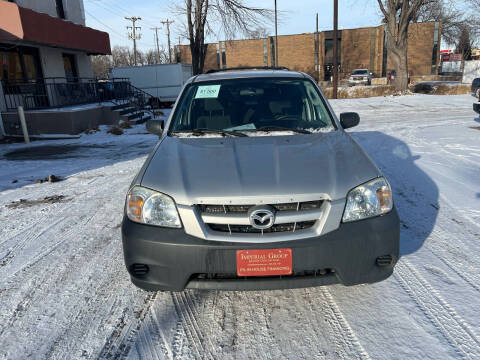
{"type": "Point", "coordinates": [65, 292]}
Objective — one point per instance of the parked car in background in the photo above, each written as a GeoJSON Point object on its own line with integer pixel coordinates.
{"type": "Point", "coordinates": [476, 88]}
{"type": "Point", "coordinates": [253, 185]}
{"type": "Point", "coordinates": [360, 77]}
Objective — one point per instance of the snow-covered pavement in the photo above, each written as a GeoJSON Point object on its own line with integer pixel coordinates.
{"type": "Point", "coordinates": [65, 294]}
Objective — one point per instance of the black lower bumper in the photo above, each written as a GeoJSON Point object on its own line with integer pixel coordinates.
{"type": "Point", "coordinates": [175, 261]}
{"type": "Point", "coordinates": [476, 107]}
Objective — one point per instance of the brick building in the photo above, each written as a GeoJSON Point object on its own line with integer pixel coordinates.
{"type": "Point", "coordinates": [313, 53]}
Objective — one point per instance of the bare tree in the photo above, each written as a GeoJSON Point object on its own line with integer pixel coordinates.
{"type": "Point", "coordinates": [454, 22]}
{"type": "Point", "coordinates": [259, 33]}
{"type": "Point", "coordinates": [475, 4]}
{"type": "Point", "coordinates": [464, 45]}
{"type": "Point", "coordinates": [122, 56]}
{"type": "Point", "coordinates": [101, 65]}
{"type": "Point", "coordinates": [227, 16]}
{"type": "Point", "coordinates": [398, 14]}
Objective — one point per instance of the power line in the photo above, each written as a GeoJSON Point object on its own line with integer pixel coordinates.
{"type": "Point", "coordinates": [156, 40]}
{"type": "Point", "coordinates": [114, 12]}
{"type": "Point", "coordinates": [121, 9]}
{"type": "Point", "coordinates": [134, 36]}
{"type": "Point", "coordinates": [168, 22]}
{"type": "Point", "coordinates": [109, 9]}
{"type": "Point", "coordinates": [108, 27]}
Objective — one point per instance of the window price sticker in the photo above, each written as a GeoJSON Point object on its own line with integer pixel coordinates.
{"type": "Point", "coordinates": [208, 92]}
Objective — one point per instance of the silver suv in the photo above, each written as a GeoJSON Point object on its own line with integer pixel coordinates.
{"type": "Point", "coordinates": [254, 184]}
{"type": "Point", "coordinates": [360, 77]}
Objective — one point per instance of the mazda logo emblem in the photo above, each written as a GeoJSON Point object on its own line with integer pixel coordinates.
{"type": "Point", "coordinates": [262, 217]}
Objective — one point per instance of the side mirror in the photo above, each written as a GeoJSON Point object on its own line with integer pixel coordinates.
{"type": "Point", "coordinates": [155, 127]}
{"type": "Point", "coordinates": [349, 119]}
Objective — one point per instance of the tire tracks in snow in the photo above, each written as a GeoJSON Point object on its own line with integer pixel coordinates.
{"type": "Point", "coordinates": [185, 307]}
{"type": "Point", "coordinates": [33, 233]}
{"type": "Point", "coordinates": [464, 271]}
{"type": "Point", "coordinates": [119, 342]}
{"type": "Point", "coordinates": [342, 328]}
{"type": "Point", "coordinates": [443, 316]}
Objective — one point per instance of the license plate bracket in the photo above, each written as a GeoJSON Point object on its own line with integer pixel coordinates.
{"type": "Point", "coordinates": [264, 262]}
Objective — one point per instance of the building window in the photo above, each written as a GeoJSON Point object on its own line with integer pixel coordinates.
{"type": "Point", "coordinates": [60, 9]}
{"type": "Point", "coordinates": [265, 52]}
{"type": "Point", "coordinates": [272, 50]}
{"type": "Point", "coordinates": [70, 66]}
{"type": "Point", "coordinates": [218, 56]}
{"type": "Point", "coordinates": [435, 48]}
{"type": "Point", "coordinates": [224, 56]}
{"type": "Point", "coordinates": [21, 64]}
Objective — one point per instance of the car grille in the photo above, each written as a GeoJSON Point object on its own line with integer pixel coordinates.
{"type": "Point", "coordinates": [250, 229]}
{"type": "Point", "coordinates": [233, 276]}
{"type": "Point", "coordinates": [226, 209]}
{"type": "Point", "coordinates": [289, 217]}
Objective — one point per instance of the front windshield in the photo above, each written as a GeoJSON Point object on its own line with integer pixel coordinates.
{"type": "Point", "coordinates": [360, 72]}
{"type": "Point", "coordinates": [251, 105]}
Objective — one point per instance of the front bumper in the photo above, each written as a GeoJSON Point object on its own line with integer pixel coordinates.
{"type": "Point", "coordinates": [358, 82]}
{"type": "Point", "coordinates": [476, 107]}
{"type": "Point", "coordinates": [175, 259]}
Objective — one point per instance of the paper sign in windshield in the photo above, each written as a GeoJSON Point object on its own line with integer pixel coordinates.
{"type": "Point", "coordinates": [207, 92]}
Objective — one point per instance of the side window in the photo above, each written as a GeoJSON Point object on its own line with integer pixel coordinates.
{"type": "Point", "coordinates": [319, 112]}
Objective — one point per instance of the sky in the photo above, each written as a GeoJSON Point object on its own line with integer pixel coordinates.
{"type": "Point", "coordinates": [295, 17]}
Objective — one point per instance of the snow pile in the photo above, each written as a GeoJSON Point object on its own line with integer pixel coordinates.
{"type": "Point", "coordinates": [65, 293]}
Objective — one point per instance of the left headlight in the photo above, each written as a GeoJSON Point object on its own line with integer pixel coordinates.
{"type": "Point", "coordinates": [368, 200]}
{"type": "Point", "coordinates": [151, 207]}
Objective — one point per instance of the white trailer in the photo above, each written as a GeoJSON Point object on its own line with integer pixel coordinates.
{"type": "Point", "coordinates": [163, 81]}
{"type": "Point", "coordinates": [471, 70]}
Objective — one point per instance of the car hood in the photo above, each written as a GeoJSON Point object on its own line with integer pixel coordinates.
{"type": "Point", "coordinates": [200, 170]}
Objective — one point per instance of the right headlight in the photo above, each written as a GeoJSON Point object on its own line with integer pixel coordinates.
{"type": "Point", "coordinates": [151, 207]}
{"type": "Point", "coordinates": [371, 199]}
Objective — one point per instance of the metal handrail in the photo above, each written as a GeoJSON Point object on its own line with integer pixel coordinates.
{"type": "Point", "coordinates": [57, 92]}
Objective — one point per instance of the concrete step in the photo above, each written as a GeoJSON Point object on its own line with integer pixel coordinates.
{"type": "Point", "coordinates": [121, 106]}
{"type": "Point", "coordinates": [132, 115]}
{"type": "Point", "coordinates": [140, 120]}
{"type": "Point", "coordinates": [127, 110]}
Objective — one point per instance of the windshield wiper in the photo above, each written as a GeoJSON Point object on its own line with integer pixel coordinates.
{"type": "Point", "coordinates": [202, 131]}
{"type": "Point", "coordinates": [281, 128]}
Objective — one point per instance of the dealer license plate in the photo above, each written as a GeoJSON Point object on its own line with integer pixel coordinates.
{"type": "Point", "coordinates": [268, 262]}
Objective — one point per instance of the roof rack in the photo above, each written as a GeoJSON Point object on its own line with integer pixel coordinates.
{"type": "Point", "coordinates": [248, 68]}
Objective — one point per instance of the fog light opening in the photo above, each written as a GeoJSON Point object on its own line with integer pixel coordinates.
{"type": "Point", "coordinates": [385, 260]}
{"type": "Point", "coordinates": [139, 269]}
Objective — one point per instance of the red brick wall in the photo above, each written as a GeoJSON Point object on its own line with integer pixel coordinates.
{"type": "Point", "coordinates": [361, 48]}
{"type": "Point", "coordinates": [244, 53]}
{"type": "Point", "coordinates": [297, 52]}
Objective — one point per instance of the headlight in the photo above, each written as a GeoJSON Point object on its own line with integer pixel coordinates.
{"type": "Point", "coordinates": [150, 207]}
{"type": "Point", "coordinates": [368, 200]}
{"type": "Point", "coordinates": [351, 77]}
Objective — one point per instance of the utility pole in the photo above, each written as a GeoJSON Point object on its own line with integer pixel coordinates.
{"type": "Point", "coordinates": [156, 41]}
{"type": "Point", "coordinates": [134, 36]}
{"type": "Point", "coordinates": [335, 49]}
{"type": "Point", "coordinates": [276, 35]}
{"type": "Point", "coordinates": [317, 51]}
{"type": "Point", "coordinates": [168, 22]}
